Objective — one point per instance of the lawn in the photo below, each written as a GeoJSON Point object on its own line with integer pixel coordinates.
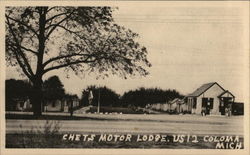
{"type": "Point", "coordinates": [52, 137]}
{"type": "Point", "coordinates": [124, 110]}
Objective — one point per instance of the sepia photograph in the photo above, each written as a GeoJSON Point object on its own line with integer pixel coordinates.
{"type": "Point", "coordinates": [125, 75]}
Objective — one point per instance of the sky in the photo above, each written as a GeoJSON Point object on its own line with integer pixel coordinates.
{"type": "Point", "coordinates": [187, 47]}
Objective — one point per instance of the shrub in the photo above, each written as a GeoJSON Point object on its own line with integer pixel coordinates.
{"type": "Point", "coordinates": [41, 136]}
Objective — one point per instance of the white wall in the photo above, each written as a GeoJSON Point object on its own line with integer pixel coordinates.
{"type": "Point", "coordinates": [212, 92]}
{"type": "Point", "coordinates": [57, 106]}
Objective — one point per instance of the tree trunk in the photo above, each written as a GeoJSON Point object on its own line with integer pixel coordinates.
{"type": "Point", "coordinates": [36, 98]}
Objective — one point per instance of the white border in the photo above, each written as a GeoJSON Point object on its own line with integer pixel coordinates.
{"type": "Point", "coordinates": [243, 4]}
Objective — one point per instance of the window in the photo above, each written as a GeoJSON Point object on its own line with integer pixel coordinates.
{"type": "Point", "coordinates": [204, 102]}
{"type": "Point", "coordinates": [208, 102]}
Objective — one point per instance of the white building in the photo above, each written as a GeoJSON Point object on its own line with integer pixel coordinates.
{"type": "Point", "coordinates": [210, 97]}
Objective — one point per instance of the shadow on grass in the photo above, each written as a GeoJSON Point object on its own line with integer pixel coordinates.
{"type": "Point", "coordinates": [48, 117]}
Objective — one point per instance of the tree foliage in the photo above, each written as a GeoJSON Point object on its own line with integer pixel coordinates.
{"type": "Point", "coordinates": [106, 96]}
{"type": "Point", "coordinates": [135, 98]}
{"type": "Point", "coordinates": [80, 39]}
{"type": "Point", "coordinates": [53, 89]}
{"type": "Point", "coordinates": [41, 39]}
{"type": "Point", "coordinates": [143, 96]}
{"type": "Point", "coordinates": [16, 90]}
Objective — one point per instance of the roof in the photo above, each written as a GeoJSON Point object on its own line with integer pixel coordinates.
{"type": "Point", "coordinates": [203, 88]}
{"type": "Point", "coordinates": [177, 100]}
{"type": "Point", "coordinates": [225, 93]}
{"type": "Point", "coordinates": [173, 101]}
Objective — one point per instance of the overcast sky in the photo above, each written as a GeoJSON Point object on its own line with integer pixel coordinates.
{"type": "Point", "coordinates": [188, 46]}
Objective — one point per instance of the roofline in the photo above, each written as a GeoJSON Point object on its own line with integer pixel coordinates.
{"type": "Point", "coordinates": [226, 91]}
{"type": "Point", "coordinates": [207, 89]}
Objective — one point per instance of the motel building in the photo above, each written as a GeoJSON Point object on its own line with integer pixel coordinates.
{"type": "Point", "coordinates": [210, 98]}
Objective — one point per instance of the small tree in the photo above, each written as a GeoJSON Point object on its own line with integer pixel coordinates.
{"type": "Point", "coordinates": [81, 39]}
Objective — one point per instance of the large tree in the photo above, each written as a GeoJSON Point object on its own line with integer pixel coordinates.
{"type": "Point", "coordinates": [81, 39]}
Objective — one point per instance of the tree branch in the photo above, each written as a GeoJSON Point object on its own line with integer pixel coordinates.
{"type": "Point", "coordinates": [18, 21]}
{"type": "Point", "coordinates": [51, 18]}
{"type": "Point", "coordinates": [57, 24]}
{"type": "Point", "coordinates": [88, 44]}
{"type": "Point", "coordinates": [63, 27]}
{"type": "Point", "coordinates": [19, 49]}
{"type": "Point", "coordinates": [21, 64]}
{"type": "Point", "coordinates": [51, 8]}
{"type": "Point", "coordinates": [30, 50]}
{"type": "Point", "coordinates": [64, 56]}
{"type": "Point", "coordinates": [68, 64]}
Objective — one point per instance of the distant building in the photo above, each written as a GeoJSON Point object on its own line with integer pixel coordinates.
{"type": "Point", "coordinates": [61, 105]}
{"type": "Point", "coordinates": [177, 106]}
{"type": "Point", "coordinates": [22, 104]}
{"type": "Point", "coordinates": [174, 106]}
{"type": "Point", "coordinates": [156, 106]}
{"type": "Point", "coordinates": [211, 98]}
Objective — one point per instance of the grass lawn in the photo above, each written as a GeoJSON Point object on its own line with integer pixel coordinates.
{"type": "Point", "coordinates": [124, 110]}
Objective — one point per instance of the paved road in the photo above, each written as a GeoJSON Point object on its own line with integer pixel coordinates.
{"type": "Point", "coordinates": [186, 124]}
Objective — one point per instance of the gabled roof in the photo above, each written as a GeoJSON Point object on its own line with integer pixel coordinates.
{"type": "Point", "coordinates": [204, 88]}
{"type": "Point", "coordinates": [225, 93]}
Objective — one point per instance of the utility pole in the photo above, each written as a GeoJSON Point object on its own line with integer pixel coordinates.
{"type": "Point", "coordinates": [98, 106]}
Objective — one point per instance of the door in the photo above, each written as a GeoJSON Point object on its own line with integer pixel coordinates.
{"type": "Point", "coordinates": [207, 104]}
{"type": "Point", "coordinates": [225, 104]}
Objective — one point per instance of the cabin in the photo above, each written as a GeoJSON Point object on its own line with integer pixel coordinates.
{"type": "Point", "coordinates": [22, 104]}
{"type": "Point", "coordinates": [174, 106]}
{"type": "Point", "coordinates": [156, 106]}
{"type": "Point", "coordinates": [210, 98]}
{"type": "Point", "coordinates": [61, 105]}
